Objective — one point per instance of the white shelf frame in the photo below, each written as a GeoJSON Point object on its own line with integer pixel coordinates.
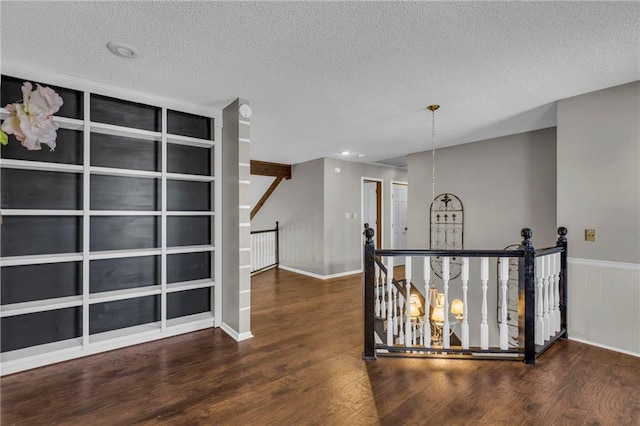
{"type": "Point", "coordinates": [40, 166]}
{"type": "Point", "coordinates": [189, 285]}
{"type": "Point", "coordinates": [127, 293]}
{"type": "Point", "coordinates": [87, 344]}
{"type": "Point", "coordinates": [41, 305]}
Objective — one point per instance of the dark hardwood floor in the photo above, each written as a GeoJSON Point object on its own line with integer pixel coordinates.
{"type": "Point", "coordinates": [304, 367]}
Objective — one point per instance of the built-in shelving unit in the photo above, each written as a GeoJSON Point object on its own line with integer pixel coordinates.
{"type": "Point", "coordinates": [109, 240]}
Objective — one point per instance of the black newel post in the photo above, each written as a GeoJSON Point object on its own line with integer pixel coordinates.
{"type": "Point", "coordinates": [564, 276]}
{"type": "Point", "coordinates": [369, 283]}
{"type": "Point", "coordinates": [277, 245]}
{"type": "Point", "coordinates": [527, 274]}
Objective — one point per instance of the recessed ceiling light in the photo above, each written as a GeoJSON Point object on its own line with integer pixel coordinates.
{"type": "Point", "coordinates": [123, 50]}
{"type": "Point", "coordinates": [345, 152]}
{"type": "Point", "coordinates": [360, 155]}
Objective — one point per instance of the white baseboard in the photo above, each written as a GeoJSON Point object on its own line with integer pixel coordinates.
{"type": "Point", "coordinates": [238, 337]}
{"type": "Point", "coordinates": [318, 276]}
{"type": "Point", "coordinates": [611, 348]}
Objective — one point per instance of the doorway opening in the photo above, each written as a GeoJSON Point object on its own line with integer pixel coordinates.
{"type": "Point", "coordinates": [399, 228]}
{"type": "Point", "coordinates": [372, 207]}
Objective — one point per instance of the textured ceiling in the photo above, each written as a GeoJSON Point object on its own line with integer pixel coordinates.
{"type": "Point", "coordinates": [327, 77]}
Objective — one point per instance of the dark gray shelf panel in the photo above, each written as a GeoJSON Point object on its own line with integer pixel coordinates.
{"type": "Point", "coordinates": [124, 153]}
{"type": "Point", "coordinates": [120, 274]}
{"type": "Point", "coordinates": [123, 313]}
{"type": "Point", "coordinates": [124, 232]}
{"type": "Point", "coordinates": [23, 331]}
{"type": "Point", "coordinates": [69, 149]}
{"type": "Point", "coordinates": [188, 230]}
{"type": "Point", "coordinates": [124, 193]}
{"type": "Point", "coordinates": [189, 302]}
{"type": "Point", "coordinates": [126, 114]}
{"type": "Point", "coordinates": [184, 124]}
{"type": "Point", "coordinates": [188, 267]}
{"type": "Point", "coordinates": [30, 189]}
{"type": "Point", "coordinates": [183, 195]}
{"type": "Point", "coordinates": [36, 282]}
{"type": "Point", "coordinates": [30, 235]}
{"type": "Point", "coordinates": [189, 160]}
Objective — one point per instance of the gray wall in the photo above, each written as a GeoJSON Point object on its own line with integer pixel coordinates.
{"type": "Point", "coordinates": [599, 172]}
{"type": "Point", "coordinates": [599, 188]}
{"type": "Point", "coordinates": [315, 236]}
{"type": "Point", "coordinates": [298, 204]}
{"type": "Point", "coordinates": [505, 184]}
{"type": "Point", "coordinates": [342, 193]}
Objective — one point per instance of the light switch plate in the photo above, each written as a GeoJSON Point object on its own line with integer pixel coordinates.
{"type": "Point", "coordinates": [590, 235]}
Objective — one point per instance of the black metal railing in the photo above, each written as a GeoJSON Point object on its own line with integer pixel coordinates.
{"type": "Point", "coordinates": [265, 249]}
{"type": "Point", "coordinates": [535, 307]}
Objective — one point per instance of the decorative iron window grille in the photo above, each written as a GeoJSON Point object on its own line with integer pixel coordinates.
{"type": "Point", "coordinates": [447, 231]}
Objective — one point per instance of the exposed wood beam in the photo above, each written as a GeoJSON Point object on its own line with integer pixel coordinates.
{"type": "Point", "coordinates": [264, 168]}
{"type": "Point", "coordinates": [266, 195]}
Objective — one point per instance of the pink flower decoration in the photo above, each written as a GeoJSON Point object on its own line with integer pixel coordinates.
{"type": "Point", "coordinates": [31, 121]}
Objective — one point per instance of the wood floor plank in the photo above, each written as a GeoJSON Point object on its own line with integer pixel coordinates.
{"type": "Point", "coordinates": [303, 367]}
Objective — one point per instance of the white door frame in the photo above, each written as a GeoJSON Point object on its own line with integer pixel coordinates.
{"type": "Point", "coordinates": [380, 219]}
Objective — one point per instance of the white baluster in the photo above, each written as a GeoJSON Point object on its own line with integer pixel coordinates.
{"type": "Point", "coordinates": [261, 251]}
{"type": "Point", "coordinates": [395, 311]}
{"type": "Point", "coordinates": [504, 279]}
{"type": "Point", "coordinates": [390, 319]}
{"type": "Point", "coordinates": [546, 280]}
{"type": "Point", "coordinates": [413, 333]}
{"type": "Point", "coordinates": [383, 292]}
{"type": "Point", "coordinates": [407, 307]}
{"type": "Point", "coordinates": [399, 318]}
{"type": "Point", "coordinates": [464, 275]}
{"type": "Point", "coordinates": [427, 297]}
{"type": "Point", "coordinates": [556, 300]}
{"type": "Point", "coordinates": [540, 301]}
{"type": "Point", "coordinates": [377, 289]}
{"type": "Point", "coordinates": [446, 327]}
{"type": "Point", "coordinates": [484, 327]}
{"type": "Point", "coordinates": [550, 275]}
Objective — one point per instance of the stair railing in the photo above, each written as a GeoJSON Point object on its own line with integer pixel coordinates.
{"type": "Point", "coordinates": [542, 296]}
{"type": "Point", "coordinates": [265, 249]}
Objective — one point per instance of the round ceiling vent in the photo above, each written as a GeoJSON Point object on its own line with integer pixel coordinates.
{"type": "Point", "coordinates": [123, 50]}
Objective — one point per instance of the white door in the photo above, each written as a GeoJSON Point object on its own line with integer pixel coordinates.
{"type": "Point", "coordinates": [369, 210]}
{"type": "Point", "coordinates": [399, 216]}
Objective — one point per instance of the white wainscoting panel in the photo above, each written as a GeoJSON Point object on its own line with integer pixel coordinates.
{"type": "Point", "coordinates": [604, 304]}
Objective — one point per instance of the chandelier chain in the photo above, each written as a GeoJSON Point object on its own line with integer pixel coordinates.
{"type": "Point", "coordinates": [433, 155]}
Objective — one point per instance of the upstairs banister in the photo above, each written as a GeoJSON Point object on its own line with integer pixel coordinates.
{"type": "Point", "coordinates": [541, 286]}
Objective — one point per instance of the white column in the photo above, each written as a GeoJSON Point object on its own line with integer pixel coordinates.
{"type": "Point", "coordinates": [504, 279]}
{"type": "Point", "coordinates": [539, 329]}
{"type": "Point", "coordinates": [427, 298]}
{"type": "Point", "coordinates": [484, 327]}
{"type": "Point", "coordinates": [446, 327]}
{"type": "Point", "coordinates": [464, 276]}
{"type": "Point", "coordinates": [546, 281]}
{"type": "Point", "coordinates": [407, 306]}
{"type": "Point", "coordinates": [390, 318]}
